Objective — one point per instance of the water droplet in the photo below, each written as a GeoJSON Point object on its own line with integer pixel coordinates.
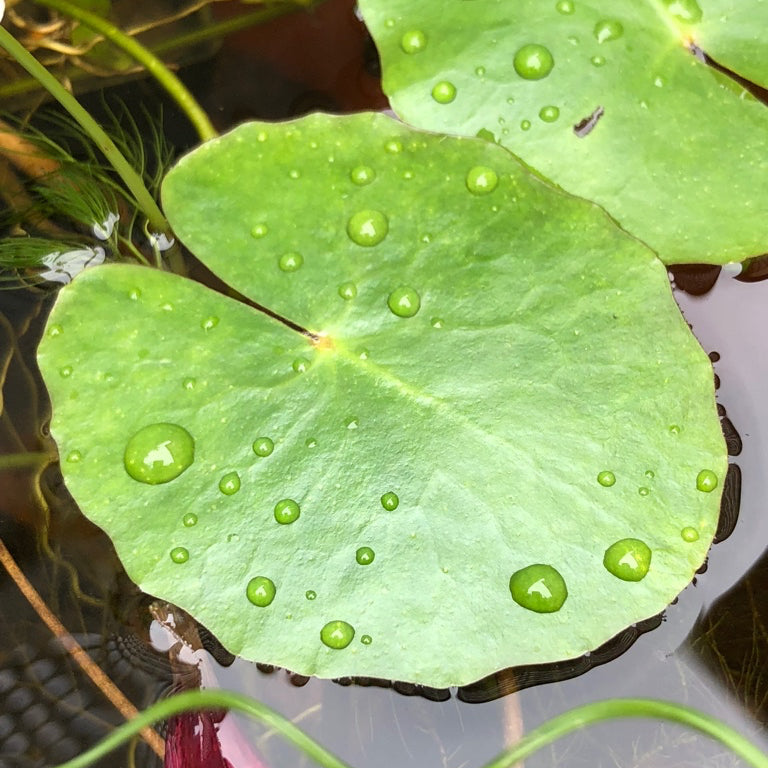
{"type": "Point", "coordinates": [643, 491]}
{"type": "Point", "coordinates": [598, 61]}
{"type": "Point", "coordinates": [189, 520]}
{"type": "Point", "coordinates": [134, 294]}
{"type": "Point", "coordinates": [608, 29]}
{"type": "Point", "coordinates": [686, 11]}
{"type": "Point", "coordinates": [310, 594]}
{"type": "Point", "coordinates": [347, 291]}
{"type": "Point", "coordinates": [444, 92]}
{"type": "Point", "coordinates": [367, 228]}
{"type": "Point", "coordinates": [706, 480]}
{"type": "Point", "coordinates": [229, 483]}
{"type": "Point", "coordinates": [628, 559]}
{"type": "Point", "coordinates": [66, 371]}
{"type": "Point", "coordinates": [480, 71]}
{"type": "Point", "coordinates": [481, 180]}
{"type": "Point", "coordinates": [300, 365]}
{"type": "Point", "coordinates": [337, 634]}
{"type": "Point", "coordinates": [407, 175]}
{"type": "Point", "coordinates": [363, 353]}
{"type": "Point", "coordinates": [189, 383]}
{"type": "Point", "coordinates": [352, 423]}
{"type": "Point", "coordinates": [606, 478]}
{"type": "Point", "coordinates": [311, 442]}
{"type": "Point", "coordinates": [436, 322]}
{"type": "Point", "coordinates": [364, 556]}
{"type": "Point", "coordinates": [55, 329]}
{"type": "Point", "coordinates": [549, 114]}
{"type": "Point", "coordinates": [294, 174]}
{"type": "Point", "coordinates": [74, 457]}
{"type": "Point", "coordinates": [261, 591]}
{"type": "Point", "coordinates": [159, 453]}
{"type": "Point", "coordinates": [393, 146]}
{"type": "Point", "coordinates": [533, 62]}
{"type": "Point", "coordinates": [566, 7]}
{"type": "Point", "coordinates": [650, 474]}
{"type": "Point", "coordinates": [366, 639]}
{"type": "Point", "coordinates": [209, 323]}
{"type": "Point", "coordinates": [362, 175]}
{"type": "Point", "coordinates": [538, 588]}
{"type": "Point", "coordinates": [290, 262]}
{"type": "Point", "coordinates": [263, 446]}
{"type": "Point", "coordinates": [389, 23]}
{"type": "Point", "coordinates": [525, 125]}
{"type": "Point", "coordinates": [179, 554]}
{"type": "Point", "coordinates": [674, 429]}
{"type": "Point", "coordinates": [689, 534]}
{"type": "Point", "coordinates": [413, 41]}
{"type": "Point", "coordinates": [287, 511]}
{"type": "Point", "coordinates": [404, 301]}
{"type": "Point", "coordinates": [390, 501]}
{"type": "Point", "coordinates": [261, 136]}
{"type": "Point", "coordinates": [259, 230]}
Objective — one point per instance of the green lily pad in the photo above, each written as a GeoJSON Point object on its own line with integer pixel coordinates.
{"type": "Point", "coordinates": [496, 387]}
{"type": "Point", "coordinates": [607, 99]}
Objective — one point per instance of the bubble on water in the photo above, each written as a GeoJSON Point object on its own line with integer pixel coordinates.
{"type": "Point", "coordinates": [533, 61]}
{"type": "Point", "coordinates": [689, 534]}
{"type": "Point", "coordinates": [348, 291]}
{"type": "Point", "coordinates": [628, 559]}
{"type": "Point", "coordinates": [549, 114]}
{"type": "Point", "coordinates": [263, 446]}
{"type": "Point", "coordinates": [606, 478]}
{"type": "Point", "coordinates": [362, 175]}
{"type": "Point", "coordinates": [538, 587]}
{"type": "Point", "coordinates": [189, 520]}
{"type": "Point", "coordinates": [290, 262]}
{"type": "Point", "coordinates": [481, 180]}
{"type": "Point", "coordinates": [261, 591]}
{"type": "Point", "coordinates": [159, 453]}
{"type": "Point", "coordinates": [209, 323]}
{"type": "Point", "coordinates": [259, 230]}
{"type": "Point", "coordinates": [390, 501]}
{"type": "Point", "coordinates": [287, 511]}
{"type": "Point", "coordinates": [706, 481]}
{"type": "Point", "coordinates": [229, 483]}
{"type": "Point", "coordinates": [179, 554]}
{"type": "Point", "coordinates": [337, 634]}
{"type": "Point", "coordinates": [367, 227]}
{"type": "Point", "coordinates": [413, 41]}
{"type": "Point", "coordinates": [608, 29]}
{"type": "Point", "coordinates": [364, 556]}
{"type": "Point", "coordinates": [404, 301]}
{"type": "Point", "coordinates": [444, 92]}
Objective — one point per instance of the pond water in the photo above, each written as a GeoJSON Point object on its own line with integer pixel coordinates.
{"type": "Point", "coordinates": [709, 649]}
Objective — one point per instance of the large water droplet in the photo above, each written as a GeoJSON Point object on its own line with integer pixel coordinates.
{"type": "Point", "coordinates": [628, 559]}
{"type": "Point", "coordinates": [404, 301]}
{"type": "Point", "coordinates": [261, 591]}
{"type": "Point", "coordinates": [189, 520]}
{"type": "Point", "coordinates": [481, 180]}
{"type": "Point", "coordinates": [229, 483]}
{"type": "Point", "coordinates": [365, 556]}
{"type": "Point", "coordinates": [606, 478]}
{"type": "Point", "coordinates": [686, 11]}
{"type": "Point", "coordinates": [549, 114]}
{"type": "Point", "coordinates": [566, 7]}
{"type": "Point", "coordinates": [287, 511]}
{"type": "Point", "coordinates": [608, 29]}
{"type": "Point", "coordinates": [290, 262]}
{"type": "Point", "coordinates": [390, 501]}
{"type": "Point", "coordinates": [263, 446]}
{"type": "Point", "coordinates": [347, 291]}
{"type": "Point", "coordinates": [538, 588]}
{"type": "Point", "coordinates": [179, 555]}
{"type": "Point", "coordinates": [337, 634]}
{"type": "Point", "coordinates": [706, 481]}
{"type": "Point", "coordinates": [367, 228]}
{"type": "Point", "coordinates": [413, 41]}
{"type": "Point", "coordinates": [444, 92]}
{"type": "Point", "coordinates": [362, 175]}
{"type": "Point", "coordinates": [533, 62]}
{"type": "Point", "coordinates": [689, 534]}
{"type": "Point", "coordinates": [159, 453]}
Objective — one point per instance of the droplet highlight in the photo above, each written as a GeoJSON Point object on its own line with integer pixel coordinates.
{"type": "Point", "coordinates": [300, 365]}
{"type": "Point", "coordinates": [189, 520]}
{"type": "Point", "coordinates": [259, 231]}
{"type": "Point", "coordinates": [549, 114]}
{"type": "Point", "coordinates": [159, 453]}
{"type": "Point", "coordinates": [347, 291]}
{"type": "Point", "coordinates": [290, 262]}
{"type": "Point", "coordinates": [481, 180]}
{"type": "Point", "coordinates": [74, 457]}
{"type": "Point", "coordinates": [263, 446]}
{"type": "Point", "coordinates": [66, 371]}
{"type": "Point", "coordinates": [539, 588]}
{"type": "Point", "coordinates": [566, 7]}
{"type": "Point", "coordinates": [310, 594]}
{"type": "Point", "coordinates": [404, 301]}
{"type": "Point", "coordinates": [229, 483]}
{"type": "Point", "coordinates": [367, 228]}
{"type": "Point", "coordinates": [606, 478]}
{"type": "Point", "coordinates": [413, 41]}
{"type": "Point", "coordinates": [337, 634]}
{"type": "Point", "coordinates": [362, 175]}
{"type": "Point", "coordinates": [533, 62]}
{"type": "Point", "coordinates": [706, 481]}
{"type": "Point", "coordinates": [261, 591]}
{"type": "Point", "coordinates": [365, 556]}
{"type": "Point", "coordinates": [607, 30]}
{"type": "Point", "coordinates": [179, 554]}
{"type": "Point", "coordinates": [628, 559]}
{"type": "Point", "coordinates": [366, 639]}
{"type": "Point", "coordinates": [287, 511]}
{"type": "Point", "coordinates": [444, 92]}
{"type": "Point", "coordinates": [390, 501]}
{"type": "Point", "coordinates": [209, 323]}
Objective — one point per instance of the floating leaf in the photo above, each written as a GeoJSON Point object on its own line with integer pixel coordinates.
{"type": "Point", "coordinates": [411, 490]}
{"type": "Point", "coordinates": [612, 100]}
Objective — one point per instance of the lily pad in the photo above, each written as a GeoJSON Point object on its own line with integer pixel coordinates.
{"type": "Point", "coordinates": [490, 380]}
{"type": "Point", "coordinates": [610, 99]}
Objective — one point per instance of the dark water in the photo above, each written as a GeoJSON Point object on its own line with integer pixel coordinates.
{"type": "Point", "coordinates": [709, 650]}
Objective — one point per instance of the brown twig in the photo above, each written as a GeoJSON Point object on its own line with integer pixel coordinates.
{"type": "Point", "coordinates": [75, 650]}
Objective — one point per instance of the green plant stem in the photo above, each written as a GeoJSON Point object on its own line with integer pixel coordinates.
{"type": "Point", "coordinates": [167, 79]}
{"type": "Point", "coordinates": [545, 734]}
{"type": "Point", "coordinates": [130, 177]}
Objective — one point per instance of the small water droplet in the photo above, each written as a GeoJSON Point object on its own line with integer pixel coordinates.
{"type": "Point", "coordinates": [55, 329]}
{"type": "Point", "coordinates": [538, 588]}
{"type": "Point", "coordinates": [706, 481]}
{"type": "Point", "coordinates": [628, 559]}
{"type": "Point", "coordinates": [390, 501]}
{"type": "Point", "coordinates": [159, 453]}
{"type": "Point", "coordinates": [337, 634]}
{"type": "Point", "coordinates": [598, 61]}
{"type": "Point", "coordinates": [650, 474]}
{"type": "Point", "coordinates": [294, 173]}
{"type": "Point", "coordinates": [300, 365]}
{"type": "Point", "coordinates": [444, 92]}
{"type": "Point", "coordinates": [134, 294]}
{"type": "Point", "coordinates": [566, 7]}
{"type": "Point", "coordinates": [480, 71]}
{"type": "Point", "coordinates": [311, 442]}
{"type": "Point", "coordinates": [365, 556]}
{"type": "Point", "coordinates": [259, 230]}
{"type": "Point", "coordinates": [413, 41]}
{"type": "Point", "coordinates": [362, 175]}
{"type": "Point", "coordinates": [261, 136]}
{"type": "Point", "coordinates": [606, 478]}
{"type": "Point", "coordinates": [389, 23]}
{"type": "Point", "coordinates": [533, 62]}
{"type": "Point", "coordinates": [209, 323]}
{"type": "Point", "coordinates": [229, 483]}
{"type": "Point", "coordinates": [643, 491]}
{"type": "Point", "coordinates": [549, 114]}
{"type": "Point", "coordinates": [608, 29]}
{"type": "Point", "coordinates": [407, 175]}
{"type": "Point", "coordinates": [689, 534]}
{"type": "Point", "coordinates": [189, 383]}
{"type": "Point", "coordinates": [525, 125]}
{"type": "Point", "coordinates": [481, 180]}
{"type": "Point", "coordinates": [436, 322]}
{"type": "Point", "coordinates": [66, 371]}
{"type": "Point", "coordinates": [74, 457]}
{"type": "Point", "coordinates": [353, 423]}
{"type": "Point", "coordinates": [366, 639]}
{"type": "Point", "coordinates": [347, 291]}
{"type": "Point", "coordinates": [189, 520]}
{"type": "Point", "coordinates": [290, 262]}
{"type": "Point", "coordinates": [686, 11]}
{"type": "Point", "coordinates": [367, 228]}
{"type": "Point", "coordinates": [179, 554]}
{"type": "Point", "coordinates": [263, 446]}
{"type": "Point", "coordinates": [573, 40]}
{"type": "Point", "coordinates": [393, 146]}
{"type": "Point", "coordinates": [287, 511]}
{"type": "Point", "coordinates": [404, 301]}
{"type": "Point", "coordinates": [310, 594]}
{"type": "Point", "coordinates": [261, 591]}
{"type": "Point", "coordinates": [658, 81]}
{"type": "Point", "coordinates": [363, 353]}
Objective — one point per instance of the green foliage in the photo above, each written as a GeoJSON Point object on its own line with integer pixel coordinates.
{"type": "Point", "coordinates": [607, 99]}
{"type": "Point", "coordinates": [472, 365]}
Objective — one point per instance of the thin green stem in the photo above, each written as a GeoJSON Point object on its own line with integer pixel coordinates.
{"type": "Point", "coordinates": [167, 79]}
{"type": "Point", "coordinates": [130, 177]}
